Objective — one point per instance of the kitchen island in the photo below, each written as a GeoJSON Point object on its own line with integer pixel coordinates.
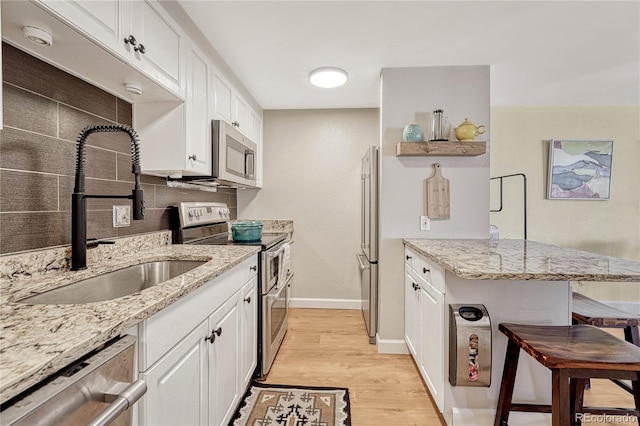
{"type": "Point", "coordinates": [38, 340]}
{"type": "Point", "coordinates": [518, 281]}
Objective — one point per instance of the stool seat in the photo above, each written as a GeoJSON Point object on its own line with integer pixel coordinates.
{"type": "Point", "coordinates": [573, 354]}
{"type": "Point", "coordinates": [574, 346]}
{"type": "Point", "coordinates": [588, 311]}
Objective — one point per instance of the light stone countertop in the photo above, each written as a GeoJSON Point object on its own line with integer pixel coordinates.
{"type": "Point", "coordinates": [38, 340]}
{"type": "Point", "coordinates": [523, 260]}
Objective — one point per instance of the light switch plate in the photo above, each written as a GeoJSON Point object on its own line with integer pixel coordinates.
{"type": "Point", "coordinates": [425, 223]}
{"type": "Point", "coordinates": [121, 216]}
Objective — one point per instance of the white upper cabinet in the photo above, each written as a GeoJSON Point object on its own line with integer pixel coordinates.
{"type": "Point", "coordinates": [157, 48]}
{"type": "Point", "coordinates": [198, 119]}
{"type": "Point", "coordinates": [223, 95]}
{"type": "Point", "coordinates": [102, 21]}
{"type": "Point", "coordinates": [231, 106]}
{"type": "Point", "coordinates": [139, 32]}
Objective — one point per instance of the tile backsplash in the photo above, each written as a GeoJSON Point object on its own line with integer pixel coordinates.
{"type": "Point", "coordinates": [44, 109]}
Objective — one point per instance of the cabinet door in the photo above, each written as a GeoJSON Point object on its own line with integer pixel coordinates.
{"type": "Point", "coordinates": [412, 314]}
{"type": "Point", "coordinates": [101, 21]}
{"type": "Point", "coordinates": [177, 391]}
{"type": "Point", "coordinates": [241, 115]}
{"type": "Point", "coordinates": [224, 360]}
{"type": "Point", "coordinates": [162, 40]}
{"type": "Point", "coordinates": [198, 129]}
{"type": "Point", "coordinates": [255, 128]}
{"type": "Point", "coordinates": [432, 338]}
{"type": "Point", "coordinates": [223, 94]}
{"type": "Point", "coordinates": [249, 331]}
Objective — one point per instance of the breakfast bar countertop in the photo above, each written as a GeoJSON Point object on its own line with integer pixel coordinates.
{"type": "Point", "coordinates": [38, 340]}
{"type": "Point", "coordinates": [482, 259]}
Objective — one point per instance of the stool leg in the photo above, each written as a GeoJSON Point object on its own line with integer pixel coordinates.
{"type": "Point", "coordinates": [560, 396]}
{"type": "Point", "coordinates": [506, 387]}
{"type": "Point", "coordinates": [577, 400]}
{"type": "Point", "coordinates": [636, 394]}
{"type": "Point", "coordinates": [631, 335]}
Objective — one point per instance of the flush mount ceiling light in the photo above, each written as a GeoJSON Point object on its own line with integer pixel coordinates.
{"type": "Point", "coordinates": [37, 36]}
{"type": "Point", "coordinates": [328, 77]}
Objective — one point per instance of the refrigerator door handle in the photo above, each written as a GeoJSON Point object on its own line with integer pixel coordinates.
{"type": "Point", "coordinates": [362, 264]}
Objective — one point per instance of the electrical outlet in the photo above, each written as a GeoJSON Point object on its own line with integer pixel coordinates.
{"type": "Point", "coordinates": [121, 216]}
{"type": "Point", "coordinates": [425, 223]}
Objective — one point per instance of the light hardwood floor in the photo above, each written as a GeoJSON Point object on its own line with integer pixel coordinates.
{"type": "Point", "coordinates": [330, 348]}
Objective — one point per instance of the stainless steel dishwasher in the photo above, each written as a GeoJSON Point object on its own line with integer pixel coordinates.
{"type": "Point", "coordinates": [95, 390]}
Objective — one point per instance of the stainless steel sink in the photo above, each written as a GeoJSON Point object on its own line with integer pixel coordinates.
{"type": "Point", "coordinates": [115, 284]}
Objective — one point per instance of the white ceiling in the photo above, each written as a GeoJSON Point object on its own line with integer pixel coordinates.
{"type": "Point", "coordinates": [540, 53]}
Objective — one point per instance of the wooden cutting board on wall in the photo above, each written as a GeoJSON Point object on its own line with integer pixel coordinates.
{"type": "Point", "coordinates": [437, 195]}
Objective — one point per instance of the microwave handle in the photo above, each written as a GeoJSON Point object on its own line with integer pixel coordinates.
{"type": "Point", "coordinates": [249, 164]}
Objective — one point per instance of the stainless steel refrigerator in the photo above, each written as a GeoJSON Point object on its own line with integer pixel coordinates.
{"type": "Point", "coordinates": [368, 256]}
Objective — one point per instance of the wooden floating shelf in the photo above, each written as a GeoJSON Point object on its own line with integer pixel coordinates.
{"type": "Point", "coordinates": [441, 149]}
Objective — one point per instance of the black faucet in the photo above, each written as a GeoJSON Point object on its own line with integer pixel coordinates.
{"type": "Point", "coordinates": [79, 198]}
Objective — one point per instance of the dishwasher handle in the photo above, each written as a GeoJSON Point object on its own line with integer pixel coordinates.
{"type": "Point", "coordinates": [119, 402]}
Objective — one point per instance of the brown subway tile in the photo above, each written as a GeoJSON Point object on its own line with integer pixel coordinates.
{"type": "Point", "coordinates": [27, 151]}
{"type": "Point", "coordinates": [125, 112]}
{"type": "Point", "coordinates": [125, 174]}
{"type": "Point", "coordinates": [154, 220]}
{"type": "Point", "coordinates": [27, 231]}
{"type": "Point", "coordinates": [23, 70]}
{"type": "Point", "coordinates": [27, 111]}
{"type": "Point", "coordinates": [72, 121]}
{"type": "Point", "coordinates": [100, 224]}
{"type": "Point", "coordinates": [28, 192]}
{"type": "Point", "coordinates": [102, 187]}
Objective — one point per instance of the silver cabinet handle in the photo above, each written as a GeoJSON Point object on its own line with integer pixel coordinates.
{"type": "Point", "coordinates": [408, 257]}
{"type": "Point", "coordinates": [253, 268]}
{"type": "Point", "coordinates": [140, 48]}
{"type": "Point", "coordinates": [425, 270]}
{"type": "Point", "coordinates": [248, 299]}
{"type": "Point", "coordinates": [120, 402]}
{"type": "Point", "coordinates": [193, 157]}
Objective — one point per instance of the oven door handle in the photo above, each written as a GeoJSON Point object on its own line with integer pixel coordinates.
{"type": "Point", "coordinates": [362, 265]}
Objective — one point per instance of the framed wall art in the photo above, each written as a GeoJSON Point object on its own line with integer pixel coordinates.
{"type": "Point", "coordinates": [579, 169]}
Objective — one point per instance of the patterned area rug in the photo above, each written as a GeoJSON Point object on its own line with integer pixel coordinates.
{"type": "Point", "coordinates": [282, 405]}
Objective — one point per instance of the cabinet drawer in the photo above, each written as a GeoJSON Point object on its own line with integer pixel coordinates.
{"type": "Point", "coordinates": [410, 257]}
{"type": "Point", "coordinates": [162, 331]}
{"type": "Point", "coordinates": [249, 268]}
{"type": "Point", "coordinates": [431, 272]}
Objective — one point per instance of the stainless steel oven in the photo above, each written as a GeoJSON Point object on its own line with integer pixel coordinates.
{"type": "Point", "coordinates": [206, 223]}
{"type": "Point", "coordinates": [276, 283]}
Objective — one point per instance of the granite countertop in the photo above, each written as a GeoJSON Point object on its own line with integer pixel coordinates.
{"type": "Point", "coordinates": [523, 260]}
{"type": "Point", "coordinates": [38, 340]}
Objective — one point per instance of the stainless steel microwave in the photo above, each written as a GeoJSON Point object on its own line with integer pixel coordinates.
{"type": "Point", "coordinates": [233, 160]}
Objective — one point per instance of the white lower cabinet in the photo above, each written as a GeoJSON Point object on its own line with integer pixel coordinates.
{"type": "Point", "coordinates": [224, 360]}
{"type": "Point", "coordinates": [250, 328]}
{"type": "Point", "coordinates": [198, 355]}
{"type": "Point", "coordinates": [424, 321]}
{"type": "Point", "coordinates": [177, 385]}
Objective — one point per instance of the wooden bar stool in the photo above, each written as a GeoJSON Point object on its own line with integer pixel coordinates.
{"type": "Point", "coordinates": [573, 354]}
{"type": "Point", "coordinates": [591, 312]}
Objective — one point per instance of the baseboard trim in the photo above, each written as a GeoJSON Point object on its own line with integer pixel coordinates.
{"type": "Point", "coordinates": [354, 304]}
{"type": "Point", "coordinates": [391, 346]}
{"type": "Point", "coordinates": [484, 417]}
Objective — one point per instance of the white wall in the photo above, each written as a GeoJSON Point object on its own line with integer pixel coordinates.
{"type": "Point", "coordinates": [409, 95]}
{"type": "Point", "coordinates": [610, 227]}
{"type": "Point", "coordinates": [312, 175]}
